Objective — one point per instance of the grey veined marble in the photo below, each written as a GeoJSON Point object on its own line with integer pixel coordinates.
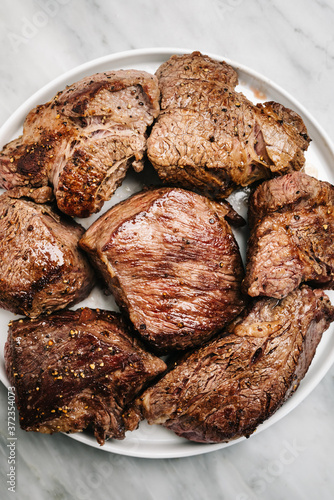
{"type": "Point", "coordinates": [291, 43]}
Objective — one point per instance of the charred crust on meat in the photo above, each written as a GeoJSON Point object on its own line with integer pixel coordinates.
{"type": "Point", "coordinates": [159, 311]}
{"type": "Point", "coordinates": [58, 374]}
{"type": "Point", "coordinates": [290, 229]}
{"type": "Point", "coordinates": [42, 268]}
{"type": "Point", "coordinates": [92, 115]}
{"type": "Point", "coordinates": [241, 140]}
{"type": "Point", "coordinates": [208, 394]}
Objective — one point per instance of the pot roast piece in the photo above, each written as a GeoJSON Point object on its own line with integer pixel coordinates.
{"type": "Point", "coordinates": [171, 261]}
{"type": "Point", "coordinates": [84, 139]}
{"type": "Point", "coordinates": [225, 389]}
{"type": "Point", "coordinates": [210, 138]}
{"type": "Point", "coordinates": [42, 269]}
{"type": "Point", "coordinates": [292, 236]}
{"type": "Point", "coordinates": [74, 369]}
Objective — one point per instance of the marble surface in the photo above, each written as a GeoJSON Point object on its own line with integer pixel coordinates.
{"type": "Point", "coordinates": [293, 44]}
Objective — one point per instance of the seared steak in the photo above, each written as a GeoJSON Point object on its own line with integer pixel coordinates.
{"type": "Point", "coordinates": [292, 236]}
{"type": "Point", "coordinates": [42, 269]}
{"type": "Point", "coordinates": [172, 263]}
{"type": "Point", "coordinates": [84, 139]}
{"type": "Point", "coordinates": [225, 389]}
{"type": "Point", "coordinates": [75, 369]}
{"type": "Point", "coordinates": [210, 138]}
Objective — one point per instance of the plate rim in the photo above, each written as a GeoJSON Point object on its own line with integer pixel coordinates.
{"type": "Point", "coordinates": [191, 449]}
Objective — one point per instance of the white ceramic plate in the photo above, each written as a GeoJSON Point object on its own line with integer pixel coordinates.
{"type": "Point", "coordinates": [155, 441]}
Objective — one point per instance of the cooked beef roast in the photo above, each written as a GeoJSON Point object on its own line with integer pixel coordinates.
{"type": "Point", "coordinates": [168, 255]}
{"type": "Point", "coordinates": [292, 236]}
{"type": "Point", "coordinates": [84, 139]}
{"type": "Point", "coordinates": [210, 138]}
{"type": "Point", "coordinates": [172, 263]}
{"type": "Point", "coordinates": [75, 369]}
{"type": "Point", "coordinates": [225, 389]}
{"type": "Point", "coordinates": [42, 269]}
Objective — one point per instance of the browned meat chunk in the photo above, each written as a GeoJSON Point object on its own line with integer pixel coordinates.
{"type": "Point", "coordinates": [225, 389]}
{"type": "Point", "coordinates": [172, 262]}
{"type": "Point", "coordinates": [292, 236]}
{"type": "Point", "coordinates": [75, 369]}
{"type": "Point", "coordinates": [42, 269]}
{"type": "Point", "coordinates": [84, 139]}
{"type": "Point", "coordinates": [210, 138]}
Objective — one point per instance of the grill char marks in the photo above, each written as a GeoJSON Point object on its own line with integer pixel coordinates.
{"type": "Point", "coordinates": [210, 138]}
{"type": "Point", "coordinates": [75, 369]}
